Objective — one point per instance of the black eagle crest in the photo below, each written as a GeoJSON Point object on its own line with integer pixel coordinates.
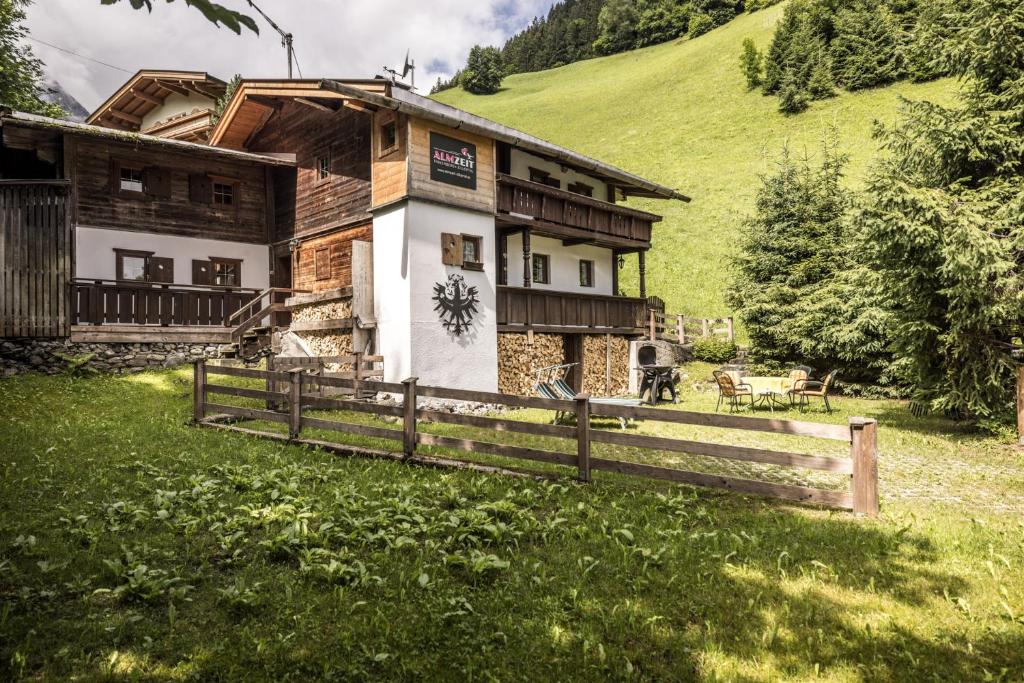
{"type": "Point", "coordinates": [456, 303]}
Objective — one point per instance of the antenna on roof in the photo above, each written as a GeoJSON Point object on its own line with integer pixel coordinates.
{"type": "Point", "coordinates": [408, 68]}
{"type": "Point", "coordinates": [286, 39]}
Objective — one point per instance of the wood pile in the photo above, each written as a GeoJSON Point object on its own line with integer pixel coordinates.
{"type": "Point", "coordinates": [605, 365]}
{"type": "Point", "coordinates": [518, 359]}
{"type": "Point", "coordinates": [333, 310]}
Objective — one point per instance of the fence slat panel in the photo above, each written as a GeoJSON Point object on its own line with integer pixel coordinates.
{"type": "Point", "coordinates": [351, 428]}
{"type": "Point", "coordinates": [497, 449]}
{"type": "Point", "coordinates": [354, 406]}
{"type": "Point", "coordinates": [243, 392]}
{"type": "Point", "coordinates": [246, 372]}
{"type": "Point", "coordinates": [498, 425]}
{"type": "Point", "coordinates": [503, 399]}
{"type": "Point", "coordinates": [251, 413]}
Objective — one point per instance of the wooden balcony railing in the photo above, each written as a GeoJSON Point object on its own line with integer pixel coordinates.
{"type": "Point", "coordinates": [113, 302]}
{"type": "Point", "coordinates": [531, 307]}
{"type": "Point", "coordinates": [583, 216]}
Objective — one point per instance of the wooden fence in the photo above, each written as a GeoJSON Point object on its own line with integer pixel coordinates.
{"type": "Point", "coordinates": [682, 329]}
{"type": "Point", "coordinates": [294, 396]}
{"type": "Point", "coordinates": [112, 302]}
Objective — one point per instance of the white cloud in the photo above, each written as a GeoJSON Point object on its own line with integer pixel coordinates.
{"type": "Point", "coordinates": [332, 38]}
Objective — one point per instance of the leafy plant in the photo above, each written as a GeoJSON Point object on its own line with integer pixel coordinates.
{"type": "Point", "coordinates": [214, 12]}
{"type": "Point", "coordinates": [136, 580]}
{"type": "Point", "coordinates": [714, 349]}
{"type": "Point", "coordinates": [77, 365]}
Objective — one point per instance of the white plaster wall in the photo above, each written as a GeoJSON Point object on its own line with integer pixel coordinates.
{"type": "Point", "coordinates": [391, 283]}
{"type": "Point", "coordinates": [522, 161]}
{"type": "Point", "coordinates": [94, 257]}
{"type": "Point", "coordinates": [407, 264]}
{"type": "Point", "coordinates": [176, 104]}
{"type": "Point", "coordinates": [565, 264]}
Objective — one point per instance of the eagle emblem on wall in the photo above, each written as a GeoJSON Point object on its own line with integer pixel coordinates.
{"type": "Point", "coordinates": [455, 303]}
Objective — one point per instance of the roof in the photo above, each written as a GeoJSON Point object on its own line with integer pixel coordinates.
{"type": "Point", "coordinates": [46, 123]}
{"type": "Point", "coordinates": [147, 90]}
{"type": "Point", "coordinates": [252, 105]}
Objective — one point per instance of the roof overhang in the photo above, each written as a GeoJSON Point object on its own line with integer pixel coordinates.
{"type": "Point", "coordinates": [17, 118]}
{"type": "Point", "coordinates": [147, 90]}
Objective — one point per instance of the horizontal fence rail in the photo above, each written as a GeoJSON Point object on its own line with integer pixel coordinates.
{"type": "Point", "coordinates": [683, 329]}
{"type": "Point", "coordinates": [288, 393]}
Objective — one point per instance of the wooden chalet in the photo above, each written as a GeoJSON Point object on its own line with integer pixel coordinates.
{"type": "Point", "coordinates": [464, 252]}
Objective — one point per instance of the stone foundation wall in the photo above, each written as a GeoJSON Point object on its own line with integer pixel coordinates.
{"type": "Point", "coordinates": [518, 359]}
{"type": "Point", "coordinates": [596, 350]}
{"type": "Point", "coordinates": [52, 356]}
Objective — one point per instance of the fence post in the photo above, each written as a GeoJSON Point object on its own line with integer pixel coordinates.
{"type": "Point", "coordinates": [357, 374]}
{"type": "Point", "coordinates": [705, 328]}
{"type": "Point", "coordinates": [654, 333]}
{"type": "Point", "coordinates": [680, 329]}
{"type": "Point", "coordinates": [728, 326]}
{"type": "Point", "coordinates": [199, 390]}
{"type": "Point", "coordinates": [1020, 404]}
{"type": "Point", "coordinates": [583, 436]}
{"type": "Point", "coordinates": [863, 451]}
{"type": "Point", "coordinates": [409, 417]}
{"type": "Point", "coordinates": [271, 385]}
{"type": "Point", "coordinates": [295, 404]}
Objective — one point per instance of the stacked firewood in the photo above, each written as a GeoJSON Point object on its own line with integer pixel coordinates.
{"type": "Point", "coordinates": [605, 365]}
{"type": "Point", "coordinates": [333, 310]}
{"type": "Point", "coordinates": [519, 359]}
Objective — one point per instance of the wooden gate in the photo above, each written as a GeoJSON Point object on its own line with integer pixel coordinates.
{"type": "Point", "coordinates": [35, 255]}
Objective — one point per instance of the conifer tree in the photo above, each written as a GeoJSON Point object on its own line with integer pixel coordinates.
{"type": "Point", "coordinates": [483, 72]}
{"type": "Point", "coordinates": [867, 48]}
{"type": "Point", "coordinates": [750, 63]}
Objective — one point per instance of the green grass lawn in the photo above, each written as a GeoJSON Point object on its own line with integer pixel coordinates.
{"type": "Point", "coordinates": [679, 113]}
{"type": "Point", "coordinates": [137, 547]}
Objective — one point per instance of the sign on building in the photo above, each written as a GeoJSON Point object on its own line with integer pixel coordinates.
{"type": "Point", "coordinates": [452, 161]}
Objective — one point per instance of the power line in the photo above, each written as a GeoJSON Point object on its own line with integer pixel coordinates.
{"type": "Point", "coordinates": [72, 52]}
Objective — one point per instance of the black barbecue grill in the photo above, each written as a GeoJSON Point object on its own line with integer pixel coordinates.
{"type": "Point", "coordinates": [657, 378]}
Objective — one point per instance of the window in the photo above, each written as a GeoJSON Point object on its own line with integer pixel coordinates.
{"type": "Point", "coordinates": [543, 177]}
{"type": "Point", "coordinates": [130, 179]}
{"type": "Point", "coordinates": [586, 273]}
{"type": "Point", "coordinates": [388, 138]}
{"type": "Point", "coordinates": [132, 265]}
{"type": "Point", "coordinates": [227, 272]}
{"type": "Point", "coordinates": [580, 188]}
{"type": "Point", "coordinates": [322, 263]}
{"type": "Point", "coordinates": [542, 269]}
{"type": "Point", "coordinates": [472, 252]}
{"type": "Point", "coordinates": [323, 167]}
{"type": "Point", "coordinates": [223, 194]}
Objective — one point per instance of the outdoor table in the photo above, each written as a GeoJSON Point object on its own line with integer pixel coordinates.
{"type": "Point", "coordinates": [770, 390]}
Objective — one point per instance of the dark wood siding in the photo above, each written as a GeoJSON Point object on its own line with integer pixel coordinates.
{"type": "Point", "coordinates": [35, 259]}
{"type": "Point", "coordinates": [305, 204]}
{"type": "Point", "coordinates": [179, 214]}
{"type": "Point", "coordinates": [339, 257]}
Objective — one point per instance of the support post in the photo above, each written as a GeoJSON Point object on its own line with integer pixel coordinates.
{"type": "Point", "coordinates": [271, 385]}
{"type": "Point", "coordinates": [863, 451]}
{"type": "Point", "coordinates": [409, 417]}
{"type": "Point", "coordinates": [728, 326]}
{"type": "Point", "coordinates": [295, 404]}
{"type": "Point", "coordinates": [705, 328]}
{"type": "Point", "coordinates": [652, 323]}
{"type": "Point", "coordinates": [527, 266]}
{"type": "Point", "coordinates": [583, 436]}
{"type": "Point", "coordinates": [641, 261]}
{"type": "Point", "coordinates": [357, 375]}
{"type": "Point", "coordinates": [607, 364]}
{"type": "Point", "coordinates": [1020, 405]}
{"type": "Point", "coordinates": [199, 390]}
{"type": "Point", "coordinates": [680, 331]}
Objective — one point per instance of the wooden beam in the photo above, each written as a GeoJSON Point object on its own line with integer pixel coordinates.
{"type": "Point", "coordinates": [359, 106]}
{"type": "Point", "coordinates": [171, 87]}
{"type": "Point", "coordinates": [152, 99]}
{"type": "Point", "coordinates": [573, 241]}
{"type": "Point", "coordinates": [316, 105]}
{"type": "Point", "coordinates": [130, 118]}
{"type": "Point", "coordinates": [276, 105]}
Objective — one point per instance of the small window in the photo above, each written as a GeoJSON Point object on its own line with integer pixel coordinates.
{"type": "Point", "coordinates": [543, 177]}
{"type": "Point", "coordinates": [388, 137]}
{"type": "Point", "coordinates": [472, 252]}
{"type": "Point", "coordinates": [541, 269]}
{"type": "Point", "coordinates": [322, 263]}
{"type": "Point", "coordinates": [223, 194]}
{"type": "Point", "coordinates": [323, 167]}
{"type": "Point", "coordinates": [131, 179]}
{"type": "Point", "coordinates": [586, 273]}
{"type": "Point", "coordinates": [226, 272]}
{"type": "Point", "coordinates": [580, 188]}
{"type": "Point", "coordinates": [132, 265]}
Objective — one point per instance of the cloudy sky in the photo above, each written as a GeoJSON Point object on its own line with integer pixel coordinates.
{"type": "Point", "coordinates": [353, 38]}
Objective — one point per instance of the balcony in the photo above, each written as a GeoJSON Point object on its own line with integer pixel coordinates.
{"type": "Point", "coordinates": [571, 217]}
{"type": "Point", "coordinates": [544, 310]}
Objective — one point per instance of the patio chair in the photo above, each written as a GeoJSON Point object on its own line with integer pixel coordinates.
{"type": "Point", "coordinates": [800, 373]}
{"type": "Point", "coordinates": [806, 389]}
{"type": "Point", "coordinates": [565, 392]}
{"type": "Point", "coordinates": [733, 391]}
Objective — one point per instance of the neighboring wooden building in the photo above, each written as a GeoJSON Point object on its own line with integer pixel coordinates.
{"type": "Point", "coordinates": [465, 252]}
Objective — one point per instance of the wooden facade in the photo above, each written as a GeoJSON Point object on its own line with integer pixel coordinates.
{"type": "Point", "coordinates": [324, 263]}
{"type": "Point", "coordinates": [314, 201]}
{"type": "Point", "coordinates": [420, 183]}
{"type": "Point", "coordinates": [174, 208]}
{"type": "Point", "coordinates": [35, 257]}
{"type": "Point", "coordinates": [390, 162]}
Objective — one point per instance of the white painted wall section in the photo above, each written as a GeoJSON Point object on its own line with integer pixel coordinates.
{"type": "Point", "coordinates": [564, 262]}
{"type": "Point", "coordinates": [95, 258]}
{"type": "Point", "coordinates": [407, 265]}
{"type": "Point", "coordinates": [522, 161]}
{"type": "Point", "coordinates": [174, 105]}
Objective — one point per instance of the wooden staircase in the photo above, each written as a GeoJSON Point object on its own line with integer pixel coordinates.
{"type": "Point", "coordinates": [253, 339]}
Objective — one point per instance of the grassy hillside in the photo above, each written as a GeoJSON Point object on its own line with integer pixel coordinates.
{"type": "Point", "coordinates": [680, 113]}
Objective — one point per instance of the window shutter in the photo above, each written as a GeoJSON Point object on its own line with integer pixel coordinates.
{"type": "Point", "coordinates": [451, 249]}
{"type": "Point", "coordinates": [156, 181]}
{"type": "Point", "coordinates": [200, 188]}
{"type": "Point", "coordinates": [161, 269]}
{"type": "Point", "coordinates": [202, 272]}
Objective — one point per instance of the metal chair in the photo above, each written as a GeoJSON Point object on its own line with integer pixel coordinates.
{"type": "Point", "coordinates": [733, 391]}
{"type": "Point", "coordinates": [806, 389]}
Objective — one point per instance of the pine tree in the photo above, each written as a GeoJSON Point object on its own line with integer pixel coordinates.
{"type": "Point", "coordinates": [941, 226]}
{"type": "Point", "coordinates": [820, 85]}
{"type": "Point", "coordinates": [617, 26]}
{"type": "Point", "coordinates": [483, 72]}
{"type": "Point", "coordinates": [793, 99]}
{"type": "Point", "coordinates": [750, 63]}
{"type": "Point", "coordinates": [867, 49]}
